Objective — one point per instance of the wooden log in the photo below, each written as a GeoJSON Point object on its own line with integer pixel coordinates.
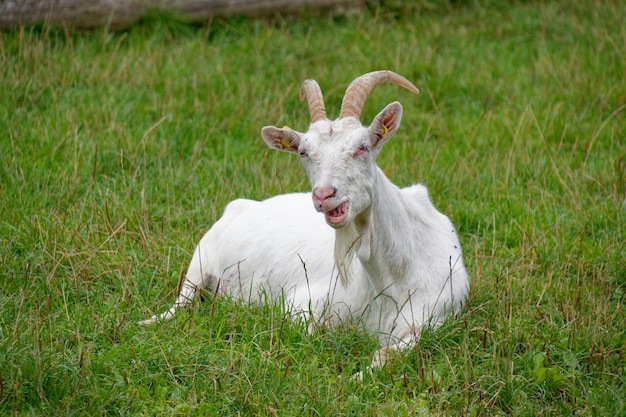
{"type": "Point", "coordinates": [77, 13]}
{"type": "Point", "coordinates": [123, 13]}
{"type": "Point", "coordinates": [205, 9]}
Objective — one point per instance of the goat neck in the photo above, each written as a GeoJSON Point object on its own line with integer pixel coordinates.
{"type": "Point", "coordinates": [370, 239]}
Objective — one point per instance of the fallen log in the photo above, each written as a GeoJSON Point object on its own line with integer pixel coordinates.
{"type": "Point", "coordinates": [119, 14]}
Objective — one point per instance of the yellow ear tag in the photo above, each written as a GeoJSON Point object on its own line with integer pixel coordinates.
{"type": "Point", "coordinates": [383, 130]}
{"type": "Point", "coordinates": [285, 142]}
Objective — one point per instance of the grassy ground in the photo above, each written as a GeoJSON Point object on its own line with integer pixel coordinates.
{"type": "Point", "coordinates": [118, 150]}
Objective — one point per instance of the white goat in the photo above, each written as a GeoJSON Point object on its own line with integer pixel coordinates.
{"type": "Point", "coordinates": [398, 258]}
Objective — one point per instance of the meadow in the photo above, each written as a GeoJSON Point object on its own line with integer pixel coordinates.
{"type": "Point", "coordinates": [119, 149]}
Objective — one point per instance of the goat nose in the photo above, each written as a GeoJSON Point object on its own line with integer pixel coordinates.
{"type": "Point", "coordinates": [321, 194]}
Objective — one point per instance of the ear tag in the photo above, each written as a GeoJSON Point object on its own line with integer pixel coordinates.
{"type": "Point", "coordinates": [285, 142]}
{"type": "Point", "coordinates": [383, 130]}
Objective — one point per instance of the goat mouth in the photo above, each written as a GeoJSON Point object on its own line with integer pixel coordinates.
{"type": "Point", "coordinates": [338, 215]}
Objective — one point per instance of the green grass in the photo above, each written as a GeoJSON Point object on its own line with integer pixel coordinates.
{"type": "Point", "coordinates": [117, 150]}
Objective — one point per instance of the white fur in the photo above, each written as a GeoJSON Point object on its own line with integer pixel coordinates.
{"type": "Point", "coordinates": [394, 263]}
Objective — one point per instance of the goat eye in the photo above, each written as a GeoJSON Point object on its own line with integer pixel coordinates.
{"type": "Point", "coordinates": [362, 150]}
{"type": "Point", "coordinates": [303, 154]}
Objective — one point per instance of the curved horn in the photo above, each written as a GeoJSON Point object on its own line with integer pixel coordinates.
{"type": "Point", "coordinates": [361, 87]}
{"type": "Point", "coordinates": [311, 90]}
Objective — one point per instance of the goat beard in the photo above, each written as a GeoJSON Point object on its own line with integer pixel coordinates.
{"type": "Point", "coordinates": [347, 241]}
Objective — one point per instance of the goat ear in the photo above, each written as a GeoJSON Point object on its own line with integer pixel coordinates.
{"type": "Point", "coordinates": [385, 124]}
{"type": "Point", "coordinates": [285, 139]}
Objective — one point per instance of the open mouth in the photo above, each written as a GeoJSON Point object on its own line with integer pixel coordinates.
{"type": "Point", "coordinates": [339, 214]}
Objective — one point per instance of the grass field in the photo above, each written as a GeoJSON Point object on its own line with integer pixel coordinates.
{"type": "Point", "coordinates": [117, 150]}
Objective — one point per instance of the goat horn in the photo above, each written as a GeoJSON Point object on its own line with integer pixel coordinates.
{"type": "Point", "coordinates": [361, 87]}
{"type": "Point", "coordinates": [311, 90]}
